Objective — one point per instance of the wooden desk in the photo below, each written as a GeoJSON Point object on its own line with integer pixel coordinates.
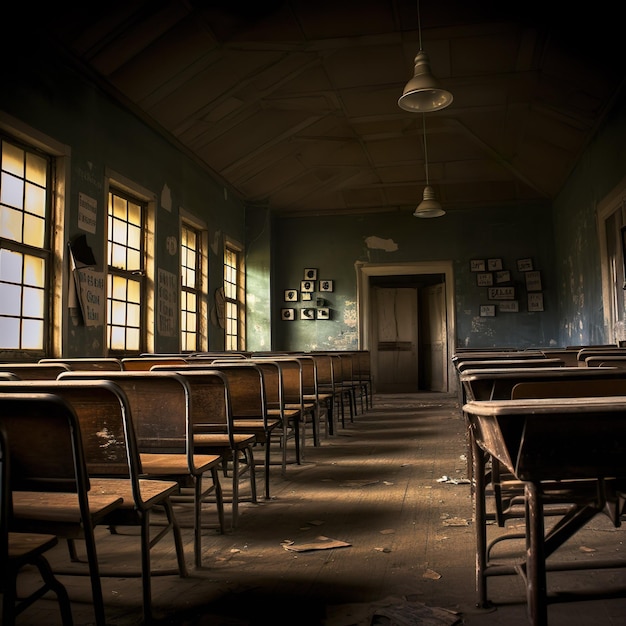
{"type": "Point", "coordinates": [581, 441]}
{"type": "Point", "coordinates": [497, 383]}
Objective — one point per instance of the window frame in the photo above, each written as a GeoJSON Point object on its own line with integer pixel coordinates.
{"type": "Point", "coordinates": [126, 188]}
{"type": "Point", "coordinates": [239, 302]}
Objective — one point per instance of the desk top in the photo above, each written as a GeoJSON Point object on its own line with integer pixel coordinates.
{"type": "Point", "coordinates": [536, 373]}
{"type": "Point", "coordinates": [553, 438]}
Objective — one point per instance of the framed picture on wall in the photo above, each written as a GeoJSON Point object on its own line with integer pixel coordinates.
{"type": "Point", "coordinates": [509, 306]}
{"type": "Point", "coordinates": [484, 279]}
{"type": "Point", "coordinates": [307, 295]}
{"type": "Point", "coordinates": [310, 273]}
{"type": "Point", "coordinates": [307, 314]}
{"type": "Point", "coordinates": [487, 310]}
{"type": "Point", "coordinates": [493, 265]}
{"type": "Point", "coordinates": [533, 280]}
{"type": "Point", "coordinates": [291, 295]}
{"type": "Point", "coordinates": [535, 301]}
{"type": "Point", "coordinates": [503, 276]}
{"type": "Point", "coordinates": [323, 313]}
{"type": "Point", "coordinates": [288, 314]}
{"type": "Point", "coordinates": [307, 286]}
{"type": "Point", "coordinates": [326, 285]}
{"type": "Point", "coordinates": [525, 265]}
{"type": "Point", "coordinates": [477, 265]}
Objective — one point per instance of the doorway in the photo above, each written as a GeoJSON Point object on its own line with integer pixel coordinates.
{"type": "Point", "coordinates": [406, 320]}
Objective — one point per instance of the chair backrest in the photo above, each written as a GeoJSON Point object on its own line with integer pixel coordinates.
{"type": "Point", "coordinates": [87, 363]}
{"type": "Point", "coordinates": [44, 443]}
{"type": "Point", "coordinates": [145, 363]}
{"type": "Point", "coordinates": [34, 371]}
{"type": "Point", "coordinates": [569, 388]}
{"type": "Point", "coordinates": [159, 402]}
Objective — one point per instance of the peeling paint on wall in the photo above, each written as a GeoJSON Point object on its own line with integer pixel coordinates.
{"type": "Point", "coordinates": [349, 313]}
{"type": "Point", "coordinates": [481, 326]}
{"type": "Point", "coordinates": [378, 243]}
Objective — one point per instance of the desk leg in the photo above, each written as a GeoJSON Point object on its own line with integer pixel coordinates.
{"type": "Point", "coordinates": [480, 523]}
{"type": "Point", "coordinates": [536, 586]}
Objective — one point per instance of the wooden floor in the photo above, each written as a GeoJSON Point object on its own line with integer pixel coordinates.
{"type": "Point", "coordinates": [390, 485]}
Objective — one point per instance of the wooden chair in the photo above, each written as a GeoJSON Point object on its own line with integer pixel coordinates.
{"type": "Point", "coordinates": [160, 406]}
{"type": "Point", "coordinates": [20, 549]}
{"type": "Point", "coordinates": [213, 428]}
{"type": "Point", "coordinates": [115, 472]}
{"type": "Point", "coordinates": [34, 371]}
{"type": "Point", "coordinates": [50, 489]}
{"type": "Point", "coordinates": [145, 363]}
{"type": "Point", "coordinates": [88, 363]}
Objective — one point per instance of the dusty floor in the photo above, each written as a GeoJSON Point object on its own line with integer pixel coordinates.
{"type": "Point", "coordinates": [391, 486]}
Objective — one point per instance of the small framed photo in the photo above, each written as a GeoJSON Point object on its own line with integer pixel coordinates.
{"type": "Point", "coordinates": [307, 286]}
{"type": "Point", "coordinates": [487, 310]}
{"type": "Point", "coordinates": [484, 279]}
{"type": "Point", "coordinates": [307, 295]}
{"type": "Point", "coordinates": [510, 306]}
{"type": "Point", "coordinates": [501, 293]}
{"type": "Point", "coordinates": [323, 313]}
{"type": "Point", "coordinates": [288, 314]}
{"type": "Point", "coordinates": [310, 273]}
{"type": "Point", "coordinates": [320, 302]}
{"type": "Point", "coordinates": [291, 295]}
{"type": "Point", "coordinates": [493, 265]}
{"type": "Point", "coordinates": [535, 301]}
{"type": "Point", "coordinates": [503, 276]}
{"type": "Point", "coordinates": [307, 314]}
{"type": "Point", "coordinates": [477, 265]}
{"type": "Point", "coordinates": [326, 285]}
{"type": "Point", "coordinates": [533, 280]}
{"type": "Point", "coordinates": [525, 265]}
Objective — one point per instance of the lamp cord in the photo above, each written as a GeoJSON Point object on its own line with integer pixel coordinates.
{"type": "Point", "coordinates": [419, 25]}
{"type": "Point", "coordinates": [425, 146]}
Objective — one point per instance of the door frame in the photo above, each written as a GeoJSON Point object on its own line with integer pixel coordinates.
{"type": "Point", "coordinates": [364, 314]}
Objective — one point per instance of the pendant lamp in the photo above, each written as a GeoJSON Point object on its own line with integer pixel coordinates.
{"type": "Point", "coordinates": [429, 206]}
{"type": "Point", "coordinates": [423, 93]}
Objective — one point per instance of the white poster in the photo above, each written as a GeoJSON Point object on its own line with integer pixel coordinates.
{"type": "Point", "coordinates": [90, 287]}
{"type": "Point", "coordinates": [87, 212]}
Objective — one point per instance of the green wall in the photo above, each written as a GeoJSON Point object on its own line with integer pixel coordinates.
{"type": "Point", "coordinates": [334, 244]}
{"type": "Point", "coordinates": [56, 99]}
{"type": "Point", "coordinates": [577, 252]}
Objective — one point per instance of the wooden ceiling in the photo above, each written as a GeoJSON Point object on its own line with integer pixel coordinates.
{"type": "Point", "coordinates": [293, 103]}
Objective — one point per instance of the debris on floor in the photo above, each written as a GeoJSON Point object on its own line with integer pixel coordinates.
{"type": "Point", "coordinates": [390, 612]}
{"type": "Point", "coordinates": [319, 543]}
{"type": "Point", "coordinates": [454, 481]}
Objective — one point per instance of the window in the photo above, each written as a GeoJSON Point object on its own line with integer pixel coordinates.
{"type": "Point", "coordinates": [191, 287]}
{"type": "Point", "coordinates": [612, 233]}
{"type": "Point", "coordinates": [126, 272]}
{"type": "Point", "coordinates": [234, 290]}
{"type": "Point", "coordinates": [25, 247]}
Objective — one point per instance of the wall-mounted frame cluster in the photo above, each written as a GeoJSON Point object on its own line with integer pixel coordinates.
{"type": "Point", "coordinates": [309, 286]}
{"type": "Point", "coordinates": [502, 291]}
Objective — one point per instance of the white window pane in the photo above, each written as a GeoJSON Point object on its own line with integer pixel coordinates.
{"type": "Point", "coordinates": [133, 315]}
{"type": "Point", "coordinates": [118, 337]}
{"type": "Point", "coordinates": [32, 334]}
{"type": "Point", "coordinates": [134, 291]}
{"type": "Point", "coordinates": [33, 302]}
{"type": "Point", "coordinates": [118, 291]}
{"type": "Point", "coordinates": [11, 223]}
{"type": "Point", "coordinates": [34, 231]}
{"type": "Point", "coordinates": [10, 266]}
{"type": "Point", "coordinates": [132, 339]}
{"type": "Point", "coordinates": [118, 313]}
{"type": "Point", "coordinates": [119, 207]}
{"type": "Point", "coordinates": [10, 300]}
{"type": "Point", "coordinates": [36, 169]}
{"type": "Point", "coordinates": [134, 259]}
{"type": "Point", "coordinates": [35, 201]}
{"type": "Point", "coordinates": [9, 333]}
{"type": "Point", "coordinates": [118, 256]}
{"type": "Point", "coordinates": [34, 271]}
{"type": "Point", "coordinates": [12, 191]}
{"type": "Point", "coordinates": [134, 213]}
{"type": "Point", "coordinates": [119, 232]}
{"type": "Point", "coordinates": [12, 159]}
{"type": "Point", "coordinates": [134, 237]}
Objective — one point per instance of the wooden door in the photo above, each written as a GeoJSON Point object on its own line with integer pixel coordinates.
{"type": "Point", "coordinates": [433, 331]}
{"type": "Point", "coordinates": [395, 325]}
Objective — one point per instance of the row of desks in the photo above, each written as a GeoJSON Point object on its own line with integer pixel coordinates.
{"type": "Point", "coordinates": [557, 450]}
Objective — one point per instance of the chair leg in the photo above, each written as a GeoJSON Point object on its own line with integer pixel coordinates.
{"type": "Point", "coordinates": [267, 466]}
{"type": "Point", "coordinates": [59, 589]}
